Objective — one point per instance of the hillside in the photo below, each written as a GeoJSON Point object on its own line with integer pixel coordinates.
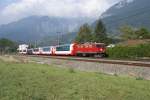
{"type": "Point", "coordinates": [33, 28]}
{"type": "Point", "coordinates": [127, 12]}
{"type": "Point", "coordinates": [58, 38]}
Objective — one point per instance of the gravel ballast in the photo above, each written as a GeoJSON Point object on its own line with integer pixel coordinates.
{"type": "Point", "coordinates": [112, 69]}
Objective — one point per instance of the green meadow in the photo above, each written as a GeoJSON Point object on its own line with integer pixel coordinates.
{"type": "Point", "coordinates": [31, 81]}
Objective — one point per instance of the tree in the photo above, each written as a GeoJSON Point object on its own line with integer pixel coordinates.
{"type": "Point", "coordinates": [130, 33]}
{"type": "Point", "coordinates": [100, 32]}
{"type": "Point", "coordinates": [7, 46]}
{"type": "Point", "coordinates": [127, 33]}
{"type": "Point", "coordinates": [84, 34]}
{"type": "Point", "coordinates": [142, 33]}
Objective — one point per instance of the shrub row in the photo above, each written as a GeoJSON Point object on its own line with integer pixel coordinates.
{"type": "Point", "coordinates": [142, 50]}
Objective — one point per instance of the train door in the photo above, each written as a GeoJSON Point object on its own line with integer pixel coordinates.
{"type": "Point", "coordinates": [53, 50]}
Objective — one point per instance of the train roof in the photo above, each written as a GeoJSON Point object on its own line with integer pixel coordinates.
{"type": "Point", "coordinates": [46, 47]}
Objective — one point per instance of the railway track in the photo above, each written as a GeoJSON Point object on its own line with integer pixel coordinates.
{"type": "Point", "coordinates": [143, 63]}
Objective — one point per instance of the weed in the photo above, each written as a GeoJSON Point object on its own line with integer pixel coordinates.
{"type": "Point", "coordinates": [71, 70]}
{"type": "Point", "coordinates": [139, 78]}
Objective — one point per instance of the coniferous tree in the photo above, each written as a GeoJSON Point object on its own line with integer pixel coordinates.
{"type": "Point", "coordinates": [100, 32]}
{"type": "Point", "coordinates": [84, 34]}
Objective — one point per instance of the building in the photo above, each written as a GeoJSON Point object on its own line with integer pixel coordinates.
{"type": "Point", "coordinates": [23, 48]}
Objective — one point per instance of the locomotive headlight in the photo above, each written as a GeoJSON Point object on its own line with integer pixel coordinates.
{"type": "Point", "coordinates": [101, 49]}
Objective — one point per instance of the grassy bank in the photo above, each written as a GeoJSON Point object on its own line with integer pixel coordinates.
{"type": "Point", "coordinates": [129, 52]}
{"type": "Point", "coordinates": [44, 82]}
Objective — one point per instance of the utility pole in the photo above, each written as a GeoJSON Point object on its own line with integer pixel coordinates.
{"type": "Point", "coordinates": [35, 45]}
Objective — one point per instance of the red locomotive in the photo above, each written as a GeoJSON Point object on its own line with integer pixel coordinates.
{"type": "Point", "coordinates": [90, 49]}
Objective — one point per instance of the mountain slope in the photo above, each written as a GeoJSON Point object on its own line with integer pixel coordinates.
{"type": "Point", "coordinates": [127, 12]}
{"type": "Point", "coordinates": [35, 27]}
{"type": "Point", "coordinates": [57, 39]}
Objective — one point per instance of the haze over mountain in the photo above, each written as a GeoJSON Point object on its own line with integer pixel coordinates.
{"type": "Point", "coordinates": [135, 13]}
{"type": "Point", "coordinates": [35, 27]}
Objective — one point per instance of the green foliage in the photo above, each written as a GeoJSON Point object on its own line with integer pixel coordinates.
{"type": "Point", "coordinates": [7, 46]}
{"type": "Point", "coordinates": [142, 33]}
{"type": "Point", "coordinates": [142, 50]}
{"type": "Point", "coordinates": [99, 34]}
{"type": "Point", "coordinates": [5, 42]}
{"type": "Point", "coordinates": [100, 28]}
{"type": "Point", "coordinates": [84, 34]}
{"type": "Point", "coordinates": [139, 78]}
{"type": "Point", "coordinates": [130, 33]}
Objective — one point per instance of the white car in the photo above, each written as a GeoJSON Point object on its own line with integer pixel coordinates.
{"type": "Point", "coordinates": [111, 46]}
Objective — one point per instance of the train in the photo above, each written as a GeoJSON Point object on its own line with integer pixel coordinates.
{"type": "Point", "coordinates": [73, 49]}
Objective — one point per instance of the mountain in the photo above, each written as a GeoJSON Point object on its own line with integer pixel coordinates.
{"type": "Point", "coordinates": [135, 13]}
{"type": "Point", "coordinates": [57, 39]}
{"type": "Point", "coordinates": [33, 28]}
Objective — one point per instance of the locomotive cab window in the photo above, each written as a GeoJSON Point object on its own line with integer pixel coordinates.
{"type": "Point", "coordinates": [100, 46]}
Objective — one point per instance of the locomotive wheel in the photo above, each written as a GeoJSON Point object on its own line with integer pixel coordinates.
{"type": "Point", "coordinates": [84, 55]}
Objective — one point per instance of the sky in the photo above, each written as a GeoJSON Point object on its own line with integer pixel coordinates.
{"type": "Point", "coordinates": [13, 10]}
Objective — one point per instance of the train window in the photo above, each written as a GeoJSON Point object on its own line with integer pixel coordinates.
{"type": "Point", "coordinates": [78, 46]}
{"type": "Point", "coordinates": [81, 46]}
{"type": "Point", "coordinates": [63, 48]}
{"type": "Point", "coordinates": [86, 46]}
{"type": "Point", "coordinates": [29, 50]}
{"type": "Point", "coordinates": [24, 50]}
{"type": "Point", "coordinates": [36, 50]}
{"type": "Point", "coordinates": [100, 46]}
{"type": "Point", "coordinates": [90, 46]}
{"type": "Point", "coordinates": [46, 49]}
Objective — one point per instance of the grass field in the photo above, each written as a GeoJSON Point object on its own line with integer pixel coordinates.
{"type": "Point", "coordinates": [44, 82]}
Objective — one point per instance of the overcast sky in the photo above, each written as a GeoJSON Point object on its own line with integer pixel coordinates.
{"type": "Point", "coordinates": [12, 10]}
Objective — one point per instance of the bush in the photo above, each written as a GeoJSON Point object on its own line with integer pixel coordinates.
{"type": "Point", "coordinates": [142, 50]}
{"type": "Point", "coordinates": [7, 46]}
{"type": "Point", "coordinates": [71, 70]}
{"type": "Point", "coordinates": [139, 78]}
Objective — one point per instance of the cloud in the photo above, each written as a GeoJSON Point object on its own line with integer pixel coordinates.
{"type": "Point", "coordinates": [59, 8]}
